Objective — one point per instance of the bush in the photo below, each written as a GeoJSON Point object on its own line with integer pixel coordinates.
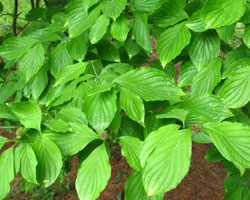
{"type": "Point", "coordinates": [84, 74]}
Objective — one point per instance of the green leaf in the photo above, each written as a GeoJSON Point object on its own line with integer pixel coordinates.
{"type": "Point", "coordinates": [246, 36]}
{"type": "Point", "coordinates": [131, 150]}
{"type": "Point", "coordinates": [72, 143]}
{"type": "Point", "coordinates": [1, 7]}
{"type": "Point", "coordinates": [131, 128]}
{"type": "Point", "coordinates": [150, 84]}
{"type": "Point", "coordinates": [241, 117]}
{"type": "Point", "coordinates": [217, 13]}
{"type": "Point", "coordinates": [186, 74]}
{"type": "Point", "coordinates": [28, 163]}
{"type": "Point", "coordinates": [171, 42]}
{"type": "Point", "coordinates": [100, 109]}
{"type": "Point", "coordinates": [132, 48]}
{"type": "Point", "coordinates": [141, 31]}
{"type": "Point", "coordinates": [5, 112]}
{"type": "Point", "coordinates": [39, 82]}
{"type": "Point", "coordinates": [99, 28]}
{"type": "Point", "coordinates": [32, 61]}
{"type": "Point", "coordinates": [132, 104]}
{"type": "Point", "coordinates": [175, 113]}
{"type": "Point", "coordinates": [206, 79]}
{"type": "Point", "coordinates": [226, 33]}
{"type": "Point", "coordinates": [134, 188]}
{"type": "Point", "coordinates": [120, 28]}
{"type": "Point", "coordinates": [3, 140]}
{"type": "Point", "coordinates": [166, 148]}
{"type": "Point", "coordinates": [88, 4]}
{"type": "Point", "coordinates": [232, 140]}
{"type": "Point", "coordinates": [57, 125]}
{"type": "Point", "coordinates": [72, 114]}
{"type": "Point", "coordinates": [113, 8]}
{"type": "Point", "coordinates": [71, 72]}
{"type": "Point", "coordinates": [169, 13]}
{"type": "Point", "coordinates": [77, 47]}
{"type": "Point", "coordinates": [59, 58]}
{"type": "Point", "coordinates": [44, 36]}
{"type": "Point", "coordinates": [7, 90]}
{"type": "Point", "coordinates": [195, 22]}
{"type": "Point", "coordinates": [236, 89]}
{"type": "Point", "coordinates": [208, 106]}
{"type": "Point", "coordinates": [49, 160]}
{"type": "Point", "coordinates": [28, 113]}
{"type": "Point", "coordinates": [78, 19]}
{"type": "Point", "coordinates": [15, 47]}
{"type": "Point", "coordinates": [203, 48]}
{"type": "Point", "coordinates": [213, 155]}
{"type": "Point", "coordinates": [6, 171]}
{"type": "Point", "coordinates": [146, 5]}
{"type": "Point", "coordinates": [108, 51]}
{"type": "Point", "coordinates": [93, 174]}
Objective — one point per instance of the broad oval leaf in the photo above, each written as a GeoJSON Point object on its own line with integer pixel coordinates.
{"type": "Point", "coordinates": [98, 29]}
{"type": "Point", "coordinates": [133, 105]}
{"type": "Point", "coordinates": [71, 143]}
{"type": "Point", "coordinates": [32, 61]}
{"type": "Point", "coordinates": [150, 84]}
{"type": "Point", "coordinates": [203, 48]}
{"type": "Point", "coordinates": [232, 140]}
{"type": "Point", "coordinates": [163, 149]}
{"type": "Point", "coordinates": [187, 73]}
{"type": "Point", "coordinates": [195, 22]}
{"type": "Point", "coordinates": [134, 188]}
{"type": "Point", "coordinates": [70, 72]}
{"type": "Point", "coordinates": [49, 160]}
{"type": "Point", "coordinates": [77, 47]}
{"type": "Point", "coordinates": [100, 109]}
{"type": "Point", "coordinates": [78, 19]}
{"type": "Point", "coordinates": [141, 31]}
{"type": "Point", "coordinates": [217, 13]}
{"type": "Point", "coordinates": [169, 13]}
{"type": "Point", "coordinates": [72, 114]}
{"type": "Point", "coordinates": [28, 163]}
{"type": "Point", "coordinates": [208, 106]}
{"type": "Point", "coordinates": [226, 33]}
{"type": "Point", "coordinates": [39, 82]}
{"type": "Point", "coordinates": [171, 42]}
{"type": "Point", "coordinates": [15, 47]}
{"type": "Point", "coordinates": [59, 58]}
{"type": "Point", "coordinates": [236, 89]}
{"type": "Point", "coordinates": [6, 171]}
{"type": "Point", "coordinates": [113, 8]}
{"type": "Point", "coordinates": [120, 28]}
{"type": "Point", "coordinates": [206, 79]}
{"type": "Point", "coordinates": [131, 150]}
{"type": "Point", "coordinates": [93, 174]}
{"type": "Point", "coordinates": [28, 113]}
{"type": "Point", "coordinates": [146, 5]}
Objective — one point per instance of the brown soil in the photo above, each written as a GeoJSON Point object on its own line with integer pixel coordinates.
{"type": "Point", "coordinates": [204, 180]}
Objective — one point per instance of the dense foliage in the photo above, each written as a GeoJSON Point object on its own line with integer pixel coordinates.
{"type": "Point", "coordinates": [82, 75]}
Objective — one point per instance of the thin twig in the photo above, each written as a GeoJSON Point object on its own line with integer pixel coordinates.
{"type": "Point", "coordinates": [22, 29]}
{"type": "Point", "coordinates": [15, 18]}
{"type": "Point", "coordinates": [32, 4]}
{"type": "Point", "coordinates": [4, 127]}
{"type": "Point", "coordinates": [37, 3]}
